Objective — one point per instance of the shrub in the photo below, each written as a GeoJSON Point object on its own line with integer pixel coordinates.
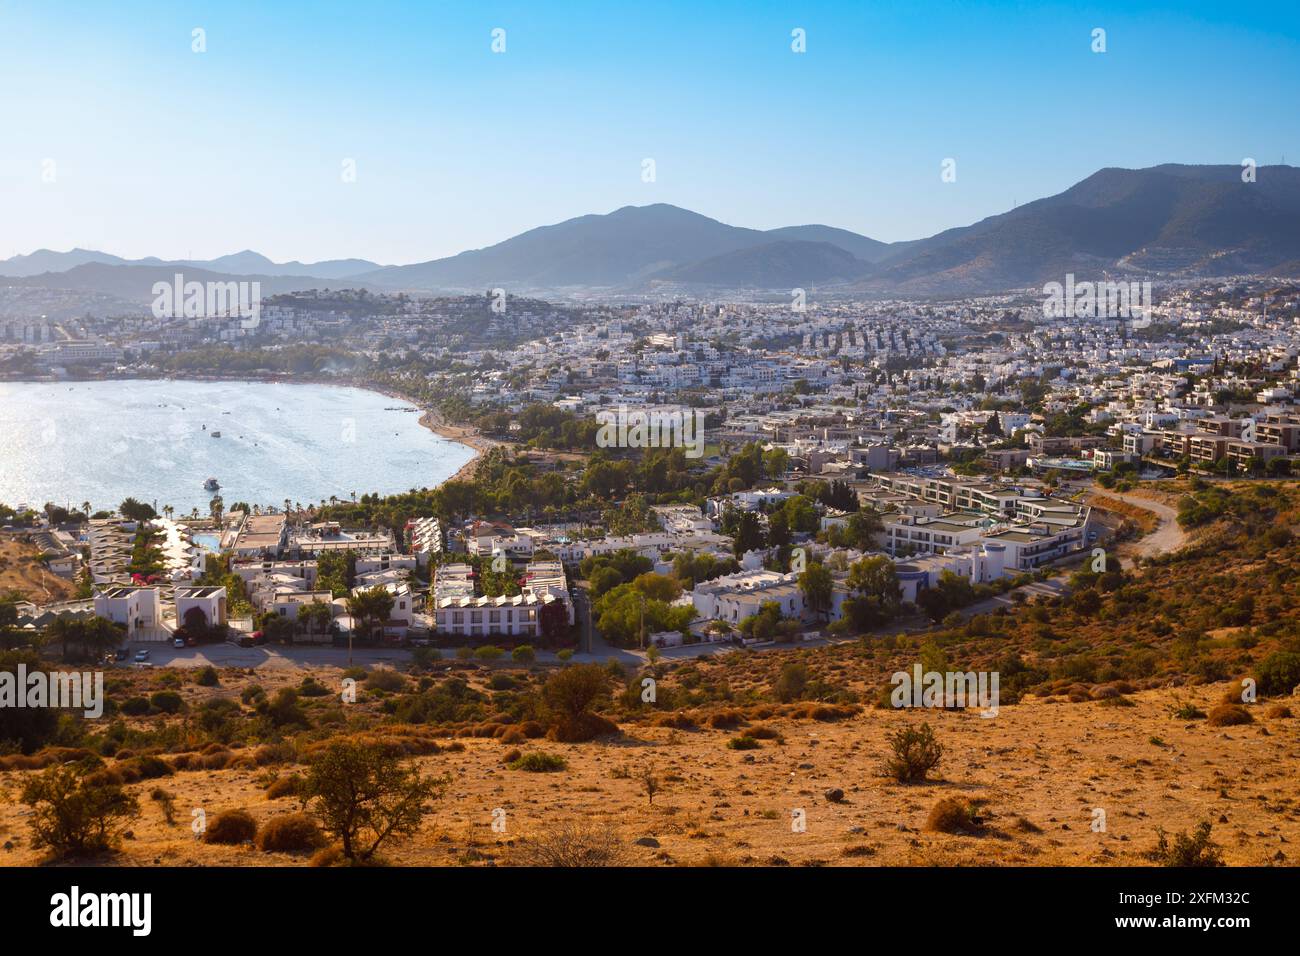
{"type": "Point", "coordinates": [1185, 711]}
{"type": "Point", "coordinates": [791, 682]}
{"type": "Point", "coordinates": [294, 831]}
{"type": "Point", "coordinates": [74, 817]}
{"type": "Point", "coordinates": [952, 815]}
{"type": "Point", "coordinates": [1278, 711]}
{"type": "Point", "coordinates": [1279, 673]}
{"type": "Point", "coordinates": [385, 679]}
{"type": "Point", "coordinates": [523, 654]}
{"type": "Point", "coordinates": [166, 701]}
{"type": "Point", "coordinates": [146, 767]}
{"type": "Point", "coordinates": [538, 762]}
{"type": "Point", "coordinates": [513, 735]}
{"type": "Point", "coordinates": [167, 801]}
{"type": "Point", "coordinates": [284, 710]}
{"type": "Point", "coordinates": [207, 677]}
{"type": "Point", "coordinates": [135, 707]}
{"type": "Point", "coordinates": [723, 719]}
{"type": "Point", "coordinates": [1229, 715]}
{"type": "Point", "coordinates": [1195, 850]}
{"type": "Point", "coordinates": [276, 753]}
{"type": "Point", "coordinates": [311, 687]}
{"type": "Point", "coordinates": [915, 754]}
{"type": "Point", "coordinates": [329, 856]}
{"type": "Point", "coordinates": [289, 786]}
{"type": "Point", "coordinates": [564, 654]}
{"type": "Point", "coordinates": [743, 743]}
{"type": "Point", "coordinates": [231, 827]}
{"type": "Point", "coordinates": [573, 845]}
{"type": "Point", "coordinates": [568, 696]}
{"type": "Point", "coordinates": [488, 653]}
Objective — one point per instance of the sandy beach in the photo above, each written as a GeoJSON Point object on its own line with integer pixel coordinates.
{"type": "Point", "coordinates": [434, 421]}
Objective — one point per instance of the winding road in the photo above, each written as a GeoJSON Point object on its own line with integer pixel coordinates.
{"type": "Point", "coordinates": [1167, 537]}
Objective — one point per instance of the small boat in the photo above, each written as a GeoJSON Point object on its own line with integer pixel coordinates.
{"type": "Point", "coordinates": [216, 434]}
{"type": "Point", "coordinates": [211, 484]}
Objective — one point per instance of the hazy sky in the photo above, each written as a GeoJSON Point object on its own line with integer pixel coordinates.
{"type": "Point", "coordinates": [158, 150]}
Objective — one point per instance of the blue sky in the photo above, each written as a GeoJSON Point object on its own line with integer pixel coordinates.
{"type": "Point", "coordinates": [158, 150]}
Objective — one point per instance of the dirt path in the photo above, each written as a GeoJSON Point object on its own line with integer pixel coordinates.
{"type": "Point", "coordinates": [1167, 537]}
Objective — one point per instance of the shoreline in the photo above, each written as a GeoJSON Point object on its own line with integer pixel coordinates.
{"type": "Point", "coordinates": [428, 418]}
{"type": "Point", "coordinates": [433, 420]}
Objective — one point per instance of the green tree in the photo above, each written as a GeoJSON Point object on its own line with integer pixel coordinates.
{"type": "Point", "coordinates": [75, 815]}
{"type": "Point", "coordinates": [365, 796]}
{"type": "Point", "coordinates": [371, 607]}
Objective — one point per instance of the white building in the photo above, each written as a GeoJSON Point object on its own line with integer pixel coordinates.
{"type": "Point", "coordinates": [139, 608]}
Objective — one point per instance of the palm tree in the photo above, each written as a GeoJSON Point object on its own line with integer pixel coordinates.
{"type": "Point", "coordinates": [369, 606]}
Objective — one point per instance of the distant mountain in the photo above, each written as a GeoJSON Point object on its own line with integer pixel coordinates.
{"type": "Point", "coordinates": [134, 283]}
{"type": "Point", "coordinates": [861, 247]}
{"type": "Point", "coordinates": [47, 260]}
{"type": "Point", "coordinates": [244, 263]}
{"type": "Point", "coordinates": [1165, 221]}
{"type": "Point", "coordinates": [623, 247]}
{"type": "Point", "coordinates": [254, 263]}
{"type": "Point", "coordinates": [782, 265]}
{"type": "Point", "coordinates": [1169, 220]}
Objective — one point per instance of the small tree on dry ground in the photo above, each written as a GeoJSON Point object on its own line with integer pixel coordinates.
{"type": "Point", "coordinates": [73, 817]}
{"type": "Point", "coordinates": [364, 795]}
{"type": "Point", "coordinates": [915, 754]}
{"type": "Point", "coordinates": [568, 697]}
{"type": "Point", "coordinates": [649, 783]}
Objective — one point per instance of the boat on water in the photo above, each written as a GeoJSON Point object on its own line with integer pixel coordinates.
{"type": "Point", "coordinates": [211, 484]}
{"type": "Point", "coordinates": [216, 434]}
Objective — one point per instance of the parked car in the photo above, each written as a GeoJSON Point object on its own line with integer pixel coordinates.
{"type": "Point", "coordinates": [178, 642]}
{"type": "Point", "coordinates": [141, 655]}
{"type": "Point", "coordinates": [121, 654]}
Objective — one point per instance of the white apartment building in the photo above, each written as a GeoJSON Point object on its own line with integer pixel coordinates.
{"type": "Point", "coordinates": [460, 611]}
{"type": "Point", "coordinates": [139, 608]}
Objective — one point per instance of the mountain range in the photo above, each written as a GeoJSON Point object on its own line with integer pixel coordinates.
{"type": "Point", "coordinates": [1160, 222]}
